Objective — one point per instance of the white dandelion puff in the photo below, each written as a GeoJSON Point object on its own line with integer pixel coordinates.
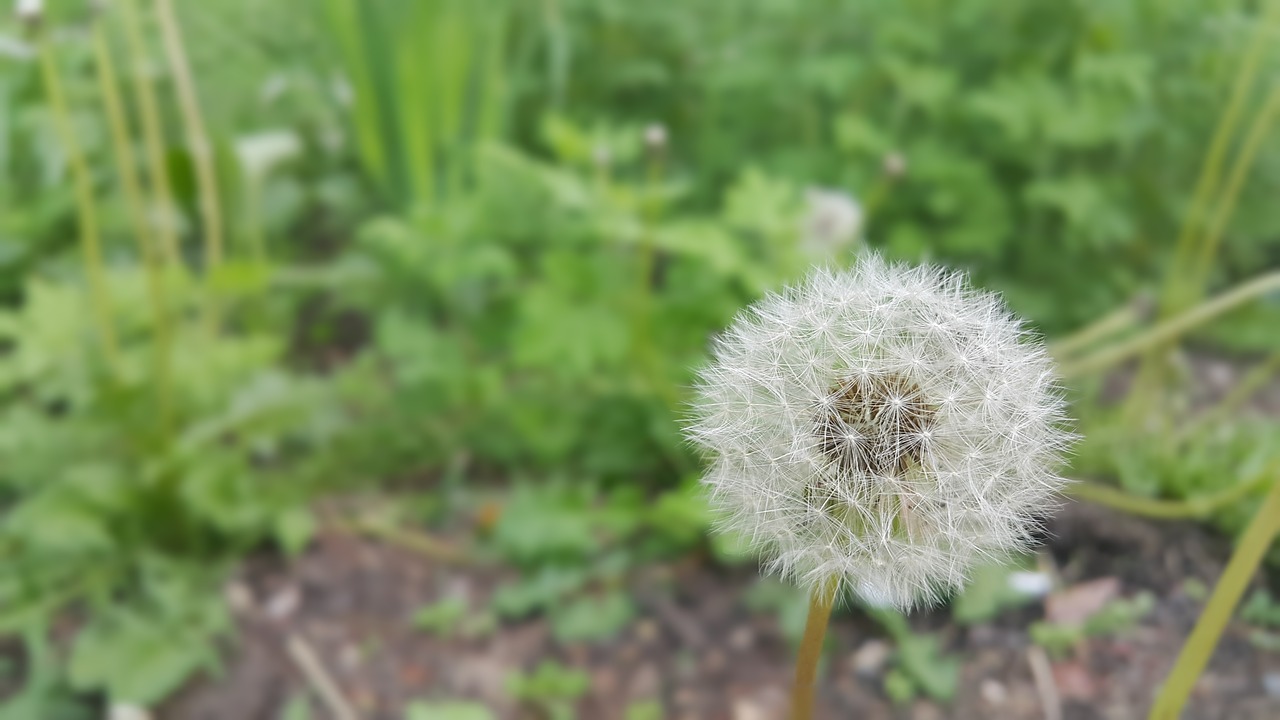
{"type": "Point", "coordinates": [28, 10]}
{"type": "Point", "coordinates": [832, 221]}
{"type": "Point", "coordinates": [888, 426]}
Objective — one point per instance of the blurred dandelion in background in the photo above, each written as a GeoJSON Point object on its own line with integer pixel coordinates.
{"type": "Point", "coordinates": [832, 222]}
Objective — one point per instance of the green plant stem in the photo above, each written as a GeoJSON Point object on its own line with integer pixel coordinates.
{"type": "Point", "coordinates": [148, 109]}
{"type": "Point", "coordinates": [1254, 139]}
{"type": "Point", "coordinates": [1211, 172]}
{"type": "Point", "coordinates": [1226, 595]}
{"type": "Point", "coordinates": [123, 148]}
{"type": "Point", "coordinates": [90, 239]}
{"type": "Point", "coordinates": [1183, 285]}
{"type": "Point", "coordinates": [1162, 509]}
{"type": "Point", "coordinates": [1107, 326]}
{"type": "Point", "coordinates": [815, 630]}
{"type": "Point", "coordinates": [1242, 391]}
{"type": "Point", "coordinates": [201, 152]}
{"type": "Point", "coordinates": [1173, 327]}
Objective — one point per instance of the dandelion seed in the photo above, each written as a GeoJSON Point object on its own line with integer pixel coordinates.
{"type": "Point", "coordinates": [889, 427]}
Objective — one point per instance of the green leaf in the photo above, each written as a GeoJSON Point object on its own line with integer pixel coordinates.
{"type": "Point", "coordinates": [988, 593]}
{"type": "Point", "coordinates": [294, 528]}
{"type": "Point", "coordinates": [537, 592]}
{"type": "Point", "coordinates": [447, 710]}
{"type": "Point", "coordinates": [921, 658]}
{"type": "Point", "coordinates": [134, 659]}
{"type": "Point", "coordinates": [442, 617]}
{"type": "Point", "coordinates": [592, 618]}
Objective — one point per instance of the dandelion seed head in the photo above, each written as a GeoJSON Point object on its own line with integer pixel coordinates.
{"type": "Point", "coordinates": [888, 425]}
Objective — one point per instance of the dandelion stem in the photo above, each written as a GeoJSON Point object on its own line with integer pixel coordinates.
{"type": "Point", "coordinates": [1200, 644]}
{"type": "Point", "coordinates": [137, 211]}
{"type": "Point", "coordinates": [815, 630]}
{"type": "Point", "coordinates": [152, 135]}
{"type": "Point", "coordinates": [1259, 130]}
{"type": "Point", "coordinates": [1197, 507]}
{"type": "Point", "coordinates": [201, 153]}
{"type": "Point", "coordinates": [1175, 326]}
{"type": "Point", "coordinates": [1211, 172]}
{"type": "Point", "coordinates": [90, 240]}
{"type": "Point", "coordinates": [1243, 390]}
{"type": "Point", "coordinates": [1107, 326]}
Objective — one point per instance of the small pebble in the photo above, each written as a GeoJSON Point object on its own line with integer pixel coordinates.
{"type": "Point", "coordinates": [869, 659]}
{"type": "Point", "coordinates": [1271, 682]}
{"type": "Point", "coordinates": [993, 692]}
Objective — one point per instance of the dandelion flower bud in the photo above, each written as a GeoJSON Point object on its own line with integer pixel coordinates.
{"type": "Point", "coordinates": [888, 426]}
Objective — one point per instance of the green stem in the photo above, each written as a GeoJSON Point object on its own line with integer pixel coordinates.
{"type": "Point", "coordinates": [1107, 326]}
{"type": "Point", "coordinates": [90, 240]}
{"type": "Point", "coordinates": [1217, 613]}
{"type": "Point", "coordinates": [1182, 284]}
{"type": "Point", "coordinates": [815, 630]}
{"type": "Point", "coordinates": [1175, 326]}
{"type": "Point", "coordinates": [1254, 139]}
{"type": "Point", "coordinates": [1239, 394]}
{"type": "Point", "coordinates": [201, 152]}
{"type": "Point", "coordinates": [123, 148]}
{"type": "Point", "coordinates": [1211, 172]}
{"type": "Point", "coordinates": [153, 136]}
{"type": "Point", "coordinates": [1163, 509]}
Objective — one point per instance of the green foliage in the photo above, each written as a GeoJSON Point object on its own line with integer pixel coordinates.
{"type": "Point", "coordinates": [1261, 609]}
{"type": "Point", "coordinates": [551, 688]}
{"type": "Point", "coordinates": [447, 710]}
{"type": "Point", "coordinates": [990, 591]}
{"type": "Point", "coordinates": [1115, 617]}
{"type": "Point", "coordinates": [1065, 144]}
{"type": "Point", "coordinates": [441, 617]}
{"type": "Point", "coordinates": [919, 662]}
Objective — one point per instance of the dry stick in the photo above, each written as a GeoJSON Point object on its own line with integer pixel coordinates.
{"type": "Point", "coordinates": [201, 154]}
{"type": "Point", "coordinates": [318, 678]}
{"type": "Point", "coordinates": [90, 240]}
{"type": "Point", "coordinates": [1046, 687]}
{"type": "Point", "coordinates": [152, 134]}
{"type": "Point", "coordinates": [815, 629]}
{"type": "Point", "coordinates": [1175, 326]}
{"type": "Point", "coordinates": [137, 211]}
{"type": "Point", "coordinates": [1195, 654]}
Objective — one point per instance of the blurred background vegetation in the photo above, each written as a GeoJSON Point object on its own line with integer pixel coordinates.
{"type": "Point", "coordinates": [253, 253]}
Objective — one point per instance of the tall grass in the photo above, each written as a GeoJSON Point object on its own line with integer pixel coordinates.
{"type": "Point", "coordinates": [427, 84]}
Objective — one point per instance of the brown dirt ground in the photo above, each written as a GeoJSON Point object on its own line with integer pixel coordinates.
{"type": "Point", "coordinates": [697, 650]}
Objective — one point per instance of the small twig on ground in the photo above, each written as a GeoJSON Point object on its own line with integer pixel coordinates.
{"type": "Point", "coordinates": [319, 680]}
{"type": "Point", "coordinates": [416, 541]}
{"type": "Point", "coordinates": [1042, 673]}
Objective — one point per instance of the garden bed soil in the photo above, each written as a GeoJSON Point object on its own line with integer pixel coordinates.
{"type": "Point", "coordinates": [697, 650]}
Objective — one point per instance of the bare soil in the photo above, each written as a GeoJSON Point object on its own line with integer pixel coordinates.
{"type": "Point", "coordinates": [700, 653]}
